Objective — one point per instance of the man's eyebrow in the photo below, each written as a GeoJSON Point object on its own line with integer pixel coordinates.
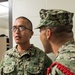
{"type": "Point", "coordinates": [18, 26]}
{"type": "Point", "coordinates": [21, 26]}
{"type": "Point", "coordinates": [14, 26]}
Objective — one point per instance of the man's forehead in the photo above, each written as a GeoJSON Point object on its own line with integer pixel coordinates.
{"type": "Point", "coordinates": [20, 23]}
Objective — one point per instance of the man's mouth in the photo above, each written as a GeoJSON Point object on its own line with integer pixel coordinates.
{"type": "Point", "coordinates": [18, 37]}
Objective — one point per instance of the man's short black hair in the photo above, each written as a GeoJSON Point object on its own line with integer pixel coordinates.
{"type": "Point", "coordinates": [25, 18]}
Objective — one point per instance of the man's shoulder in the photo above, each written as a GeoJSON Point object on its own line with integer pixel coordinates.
{"type": "Point", "coordinates": [42, 55]}
{"type": "Point", "coordinates": [10, 51]}
{"type": "Point", "coordinates": [38, 50]}
{"type": "Point", "coordinates": [59, 69]}
{"type": "Point", "coordinates": [66, 52]}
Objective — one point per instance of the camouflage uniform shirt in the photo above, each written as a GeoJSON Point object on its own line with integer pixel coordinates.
{"type": "Point", "coordinates": [33, 62]}
{"type": "Point", "coordinates": [66, 56]}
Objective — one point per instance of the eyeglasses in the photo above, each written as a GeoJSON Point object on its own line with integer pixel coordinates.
{"type": "Point", "coordinates": [20, 28]}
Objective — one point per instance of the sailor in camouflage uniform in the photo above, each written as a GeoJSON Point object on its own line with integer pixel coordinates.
{"type": "Point", "coordinates": [57, 36]}
{"type": "Point", "coordinates": [25, 58]}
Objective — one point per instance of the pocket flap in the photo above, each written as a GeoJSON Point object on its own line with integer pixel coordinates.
{"type": "Point", "coordinates": [8, 69]}
{"type": "Point", "coordinates": [34, 69]}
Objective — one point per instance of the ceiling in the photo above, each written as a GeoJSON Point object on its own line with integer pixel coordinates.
{"type": "Point", "coordinates": [4, 14]}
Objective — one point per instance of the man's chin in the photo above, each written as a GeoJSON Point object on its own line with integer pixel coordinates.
{"type": "Point", "coordinates": [48, 51]}
{"type": "Point", "coordinates": [17, 42]}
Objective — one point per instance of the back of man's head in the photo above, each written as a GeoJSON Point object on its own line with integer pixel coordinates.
{"type": "Point", "coordinates": [59, 21]}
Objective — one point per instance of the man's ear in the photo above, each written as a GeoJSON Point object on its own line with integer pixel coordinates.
{"type": "Point", "coordinates": [31, 34]}
{"type": "Point", "coordinates": [48, 33]}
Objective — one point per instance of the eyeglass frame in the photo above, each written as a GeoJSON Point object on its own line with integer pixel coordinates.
{"type": "Point", "coordinates": [14, 28]}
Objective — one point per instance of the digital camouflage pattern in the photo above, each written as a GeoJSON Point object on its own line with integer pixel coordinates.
{"type": "Point", "coordinates": [66, 56]}
{"type": "Point", "coordinates": [55, 17]}
{"type": "Point", "coordinates": [33, 62]}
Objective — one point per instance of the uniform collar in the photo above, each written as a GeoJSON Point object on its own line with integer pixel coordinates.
{"type": "Point", "coordinates": [66, 44]}
{"type": "Point", "coordinates": [30, 51]}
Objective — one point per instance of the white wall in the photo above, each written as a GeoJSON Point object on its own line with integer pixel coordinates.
{"type": "Point", "coordinates": [31, 8]}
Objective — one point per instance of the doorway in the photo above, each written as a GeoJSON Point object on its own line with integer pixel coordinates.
{"type": "Point", "coordinates": [5, 27]}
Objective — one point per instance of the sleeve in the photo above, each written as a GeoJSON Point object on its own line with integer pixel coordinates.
{"type": "Point", "coordinates": [1, 67]}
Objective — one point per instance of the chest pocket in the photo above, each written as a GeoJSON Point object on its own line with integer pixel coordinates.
{"type": "Point", "coordinates": [35, 68]}
{"type": "Point", "coordinates": [9, 69]}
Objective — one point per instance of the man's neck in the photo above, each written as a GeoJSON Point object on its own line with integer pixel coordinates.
{"type": "Point", "coordinates": [55, 48]}
{"type": "Point", "coordinates": [23, 47]}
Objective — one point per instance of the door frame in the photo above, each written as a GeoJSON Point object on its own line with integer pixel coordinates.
{"type": "Point", "coordinates": [10, 22]}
